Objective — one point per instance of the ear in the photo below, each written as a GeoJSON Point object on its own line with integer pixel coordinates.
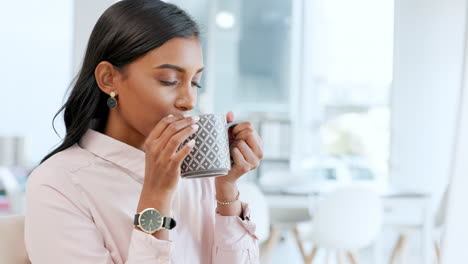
{"type": "Point", "coordinates": [106, 76]}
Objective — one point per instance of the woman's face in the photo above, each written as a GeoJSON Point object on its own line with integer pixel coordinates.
{"type": "Point", "coordinates": [163, 82]}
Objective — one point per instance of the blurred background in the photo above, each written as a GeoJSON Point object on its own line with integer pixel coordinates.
{"type": "Point", "coordinates": [347, 95]}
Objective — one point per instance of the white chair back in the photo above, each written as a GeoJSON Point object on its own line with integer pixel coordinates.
{"type": "Point", "coordinates": [349, 218]}
{"type": "Point", "coordinates": [12, 247]}
{"type": "Point", "coordinates": [258, 205]}
{"type": "Point", "coordinates": [442, 208]}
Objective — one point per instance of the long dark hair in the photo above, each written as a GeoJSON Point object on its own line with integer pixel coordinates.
{"type": "Point", "coordinates": [125, 31]}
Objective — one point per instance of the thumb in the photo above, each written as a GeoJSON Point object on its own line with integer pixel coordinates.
{"type": "Point", "coordinates": [230, 117]}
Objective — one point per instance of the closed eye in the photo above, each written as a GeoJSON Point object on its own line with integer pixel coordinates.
{"type": "Point", "coordinates": [196, 85]}
{"type": "Point", "coordinates": [168, 83]}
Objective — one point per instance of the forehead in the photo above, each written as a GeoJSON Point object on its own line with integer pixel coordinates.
{"type": "Point", "coordinates": [183, 52]}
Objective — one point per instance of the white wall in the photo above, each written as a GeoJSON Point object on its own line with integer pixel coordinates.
{"type": "Point", "coordinates": [35, 70]}
{"type": "Point", "coordinates": [42, 44]}
{"type": "Point", "coordinates": [86, 13]}
{"type": "Point", "coordinates": [455, 237]}
{"type": "Point", "coordinates": [429, 39]}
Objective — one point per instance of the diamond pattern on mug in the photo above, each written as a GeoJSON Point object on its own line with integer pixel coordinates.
{"type": "Point", "coordinates": [211, 155]}
{"type": "Point", "coordinates": [211, 150]}
{"type": "Point", "coordinates": [206, 164]}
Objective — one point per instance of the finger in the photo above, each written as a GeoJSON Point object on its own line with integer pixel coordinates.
{"type": "Point", "coordinates": [161, 126]}
{"type": "Point", "coordinates": [241, 127]}
{"type": "Point", "coordinates": [253, 140]}
{"type": "Point", "coordinates": [151, 140]}
{"type": "Point", "coordinates": [240, 165]}
{"type": "Point", "coordinates": [230, 134]}
{"type": "Point", "coordinates": [230, 117]}
{"type": "Point", "coordinates": [176, 140]}
{"type": "Point", "coordinates": [238, 158]}
{"type": "Point", "coordinates": [248, 154]}
{"type": "Point", "coordinates": [177, 126]}
{"type": "Point", "coordinates": [179, 157]}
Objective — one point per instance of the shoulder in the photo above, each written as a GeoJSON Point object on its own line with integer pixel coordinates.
{"type": "Point", "coordinates": [56, 170]}
{"type": "Point", "coordinates": [51, 184]}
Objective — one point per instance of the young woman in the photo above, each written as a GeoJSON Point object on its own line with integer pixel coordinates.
{"type": "Point", "coordinates": [111, 192]}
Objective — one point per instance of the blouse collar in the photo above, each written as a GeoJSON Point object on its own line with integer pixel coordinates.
{"type": "Point", "coordinates": [115, 151]}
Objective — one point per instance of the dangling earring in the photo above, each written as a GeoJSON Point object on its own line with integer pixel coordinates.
{"type": "Point", "coordinates": [112, 102]}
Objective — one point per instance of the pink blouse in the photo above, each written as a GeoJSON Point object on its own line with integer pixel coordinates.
{"type": "Point", "coordinates": [80, 205]}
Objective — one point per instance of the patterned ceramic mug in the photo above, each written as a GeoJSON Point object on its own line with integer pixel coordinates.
{"type": "Point", "coordinates": [210, 156]}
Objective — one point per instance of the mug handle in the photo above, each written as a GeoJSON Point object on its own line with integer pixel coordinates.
{"type": "Point", "coordinates": [231, 126]}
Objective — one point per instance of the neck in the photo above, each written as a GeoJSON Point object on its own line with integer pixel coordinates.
{"type": "Point", "coordinates": [118, 128]}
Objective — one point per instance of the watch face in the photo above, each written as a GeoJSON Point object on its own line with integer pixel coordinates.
{"type": "Point", "coordinates": [150, 220]}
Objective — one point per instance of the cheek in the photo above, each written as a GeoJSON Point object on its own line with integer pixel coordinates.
{"type": "Point", "coordinates": [144, 104]}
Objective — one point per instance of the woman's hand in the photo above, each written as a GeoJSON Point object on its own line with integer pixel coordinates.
{"type": "Point", "coordinates": [162, 168]}
{"type": "Point", "coordinates": [163, 161]}
{"type": "Point", "coordinates": [246, 151]}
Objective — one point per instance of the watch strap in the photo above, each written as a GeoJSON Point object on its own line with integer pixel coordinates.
{"type": "Point", "coordinates": [135, 221]}
{"type": "Point", "coordinates": [168, 223]}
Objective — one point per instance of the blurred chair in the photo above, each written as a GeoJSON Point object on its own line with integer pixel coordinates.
{"type": "Point", "coordinates": [252, 195]}
{"type": "Point", "coordinates": [345, 221]}
{"type": "Point", "coordinates": [282, 219]}
{"type": "Point", "coordinates": [398, 253]}
{"type": "Point", "coordinates": [12, 247]}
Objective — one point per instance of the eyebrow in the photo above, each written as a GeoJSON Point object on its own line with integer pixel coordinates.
{"type": "Point", "coordinates": [175, 67]}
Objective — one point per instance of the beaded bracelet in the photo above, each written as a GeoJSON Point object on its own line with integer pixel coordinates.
{"type": "Point", "coordinates": [224, 202]}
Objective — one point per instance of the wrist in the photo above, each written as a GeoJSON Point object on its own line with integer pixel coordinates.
{"type": "Point", "coordinates": [228, 202]}
{"type": "Point", "coordinates": [226, 190]}
{"type": "Point", "coordinates": [159, 201]}
{"type": "Point", "coordinates": [229, 207]}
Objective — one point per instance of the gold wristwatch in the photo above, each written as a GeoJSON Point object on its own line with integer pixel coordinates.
{"type": "Point", "coordinates": [150, 220]}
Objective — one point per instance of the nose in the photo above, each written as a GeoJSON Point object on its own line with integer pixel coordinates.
{"type": "Point", "coordinates": [186, 99]}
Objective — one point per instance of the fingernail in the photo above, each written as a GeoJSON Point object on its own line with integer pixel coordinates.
{"type": "Point", "coordinates": [195, 118]}
{"type": "Point", "coordinates": [195, 127]}
{"type": "Point", "coordinates": [170, 115]}
{"type": "Point", "coordinates": [191, 143]}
